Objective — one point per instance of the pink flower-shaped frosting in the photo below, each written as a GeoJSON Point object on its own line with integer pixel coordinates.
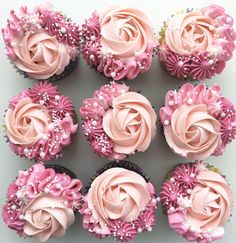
{"type": "Point", "coordinates": [130, 123]}
{"type": "Point", "coordinates": [193, 133]}
{"type": "Point", "coordinates": [27, 122]}
{"type": "Point", "coordinates": [117, 194]}
{"type": "Point", "coordinates": [203, 207]}
{"type": "Point", "coordinates": [46, 216]}
{"type": "Point", "coordinates": [41, 48]}
{"type": "Point", "coordinates": [124, 31]}
{"type": "Point", "coordinates": [188, 33]}
{"type": "Point", "coordinates": [198, 121]}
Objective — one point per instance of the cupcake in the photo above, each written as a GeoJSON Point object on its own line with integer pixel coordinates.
{"type": "Point", "coordinates": [42, 43]}
{"type": "Point", "coordinates": [117, 121]}
{"type": "Point", "coordinates": [198, 201]}
{"type": "Point", "coordinates": [40, 122]}
{"type": "Point", "coordinates": [198, 121]}
{"type": "Point", "coordinates": [120, 202]}
{"type": "Point", "coordinates": [42, 202]}
{"type": "Point", "coordinates": [196, 44]}
{"type": "Point", "coordinates": [118, 42]}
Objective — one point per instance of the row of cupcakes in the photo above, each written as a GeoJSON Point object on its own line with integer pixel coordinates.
{"type": "Point", "coordinates": [119, 202]}
{"type": "Point", "coordinates": [43, 43]}
{"type": "Point", "coordinates": [117, 121]}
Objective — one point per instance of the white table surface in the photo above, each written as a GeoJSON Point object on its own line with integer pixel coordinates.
{"type": "Point", "coordinates": [81, 84]}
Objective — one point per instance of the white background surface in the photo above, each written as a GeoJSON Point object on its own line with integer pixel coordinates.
{"type": "Point", "coordinates": [81, 84]}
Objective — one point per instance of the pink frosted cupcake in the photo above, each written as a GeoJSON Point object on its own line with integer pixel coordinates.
{"type": "Point", "coordinates": [198, 201]}
{"type": "Point", "coordinates": [196, 44]}
{"type": "Point", "coordinates": [118, 122]}
{"type": "Point", "coordinates": [42, 43]}
{"type": "Point", "coordinates": [120, 202]}
{"type": "Point", "coordinates": [42, 202]}
{"type": "Point", "coordinates": [118, 42]}
{"type": "Point", "coordinates": [198, 121]}
{"type": "Point", "coordinates": [40, 122]}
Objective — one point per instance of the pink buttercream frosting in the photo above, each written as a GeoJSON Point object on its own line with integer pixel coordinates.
{"type": "Point", "coordinates": [118, 122]}
{"type": "Point", "coordinates": [41, 42]}
{"type": "Point", "coordinates": [130, 123]}
{"type": "Point", "coordinates": [46, 217]}
{"type": "Point", "coordinates": [124, 31]}
{"type": "Point", "coordinates": [119, 203]}
{"type": "Point", "coordinates": [117, 194]}
{"type": "Point", "coordinates": [119, 42]}
{"type": "Point", "coordinates": [202, 206]}
{"type": "Point", "coordinates": [198, 121]}
{"type": "Point", "coordinates": [27, 122]}
{"type": "Point", "coordinates": [41, 55]}
{"type": "Point", "coordinates": [39, 122]}
{"type": "Point", "coordinates": [191, 32]}
{"type": "Point", "coordinates": [41, 203]}
{"type": "Point", "coordinates": [196, 44]}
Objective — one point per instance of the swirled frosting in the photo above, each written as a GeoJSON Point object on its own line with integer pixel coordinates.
{"type": "Point", "coordinates": [124, 31]}
{"type": "Point", "coordinates": [130, 123]}
{"type": "Point", "coordinates": [27, 122]}
{"type": "Point", "coordinates": [117, 194]}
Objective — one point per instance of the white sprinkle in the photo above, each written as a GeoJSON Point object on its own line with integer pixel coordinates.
{"type": "Point", "coordinates": [210, 62]}
{"type": "Point", "coordinates": [166, 122]}
{"type": "Point", "coordinates": [92, 38]}
{"type": "Point", "coordinates": [192, 175]}
{"type": "Point", "coordinates": [57, 97]}
{"type": "Point", "coordinates": [113, 74]}
{"type": "Point", "coordinates": [26, 151]}
{"type": "Point", "coordinates": [189, 191]}
{"type": "Point", "coordinates": [94, 123]}
{"type": "Point", "coordinates": [41, 102]}
{"type": "Point", "coordinates": [42, 154]}
{"type": "Point", "coordinates": [21, 217]}
{"type": "Point", "coordinates": [222, 114]}
{"type": "Point", "coordinates": [149, 229]}
{"type": "Point", "coordinates": [172, 179]}
{"type": "Point", "coordinates": [13, 207]}
{"type": "Point", "coordinates": [63, 30]}
{"type": "Point", "coordinates": [180, 63]}
{"type": "Point", "coordinates": [64, 136]}
{"type": "Point", "coordinates": [171, 102]}
{"type": "Point", "coordinates": [158, 199]}
{"type": "Point", "coordinates": [190, 101]}
{"type": "Point", "coordinates": [91, 57]}
{"type": "Point", "coordinates": [46, 190]}
{"type": "Point", "coordinates": [103, 150]}
{"type": "Point", "coordinates": [95, 104]}
{"type": "Point", "coordinates": [140, 230]}
{"type": "Point", "coordinates": [172, 209]}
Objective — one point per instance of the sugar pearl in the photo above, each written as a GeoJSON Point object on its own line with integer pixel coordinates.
{"type": "Point", "coordinates": [57, 97]}
{"type": "Point", "coordinates": [91, 57]}
{"type": "Point", "coordinates": [92, 38]}
{"type": "Point", "coordinates": [180, 63]}
{"type": "Point", "coordinates": [210, 62]}
{"type": "Point", "coordinates": [21, 217]}
{"type": "Point", "coordinates": [222, 114]}
{"type": "Point", "coordinates": [158, 199]}
{"type": "Point", "coordinates": [113, 74]}
{"type": "Point", "coordinates": [189, 191]}
{"type": "Point", "coordinates": [166, 122]}
{"type": "Point", "coordinates": [95, 104]}
{"type": "Point", "coordinates": [46, 190]}
{"type": "Point", "coordinates": [13, 207]}
{"type": "Point", "coordinates": [171, 102]}
{"type": "Point", "coordinates": [26, 151]}
{"type": "Point", "coordinates": [139, 230]}
{"type": "Point", "coordinates": [192, 175]}
{"type": "Point", "coordinates": [103, 150]}
{"type": "Point", "coordinates": [64, 136]}
{"type": "Point", "coordinates": [190, 101]}
{"type": "Point", "coordinates": [172, 209]}
{"type": "Point", "coordinates": [42, 154]}
{"type": "Point", "coordinates": [63, 30]}
{"type": "Point", "coordinates": [41, 102]}
{"type": "Point", "coordinates": [149, 229]}
{"type": "Point", "coordinates": [94, 123]}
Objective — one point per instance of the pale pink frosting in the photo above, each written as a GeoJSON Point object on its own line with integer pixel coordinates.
{"type": "Point", "coordinates": [193, 133]}
{"type": "Point", "coordinates": [211, 202]}
{"type": "Point", "coordinates": [41, 56]}
{"type": "Point", "coordinates": [46, 216]}
{"type": "Point", "coordinates": [117, 194]}
{"type": "Point", "coordinates": [188, 33]}
{"type": "Point", "coordinates": [124, 31]}
{"type": "Point", "coordinates": [27, 122]}
{"type": "Point", "coordinates": [130, 123]}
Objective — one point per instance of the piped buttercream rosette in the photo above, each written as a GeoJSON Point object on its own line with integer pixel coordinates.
{"type": "Point", "coordinates": [120, 202]}
{"type": "Point", "coordinates": [198, 201]}
{"type": "Point", "coordinates": [41, 43]}
{"type": "Point", "coordinates": [118, 42]}
{"type": "Point", "coordinates": [42, 201]}
{"type": "Point", "coordinates": [40, 122]}
{"type": "Point", "coordinates": [196, 44]}
{"type": "Point", "coordinates": [198, 121]}
{"type": "Point", "coordinates": [118, 122]}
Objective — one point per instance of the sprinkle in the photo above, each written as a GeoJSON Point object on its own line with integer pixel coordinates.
{"type": "Point", "coordinates": [166, 122]}
{"type": "Point", "coordinates": [26, 151]}
{"type": "Point", "coordinates": [113, 74]}
{"type": "Point", "coordinates": [57, 97]}
{"type": "Point", "coordinates": [190, 101]}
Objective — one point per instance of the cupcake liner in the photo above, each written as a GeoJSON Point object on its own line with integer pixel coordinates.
{"type": "Point", "coordinates": [192, 190]}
